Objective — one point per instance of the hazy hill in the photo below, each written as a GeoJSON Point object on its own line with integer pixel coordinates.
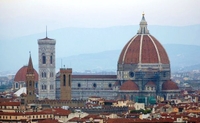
{"type": "Point", "coordinates": [92, 42]}
{"type": "Point", "coordinates": [182, 57]}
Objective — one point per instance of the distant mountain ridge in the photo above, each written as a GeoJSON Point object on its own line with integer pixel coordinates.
{"type": "Point", "coordinates": [73, 41]}
{"type": "Point", "coordinates": [181, 58]}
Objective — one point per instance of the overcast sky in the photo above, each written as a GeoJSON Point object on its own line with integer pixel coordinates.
{"type": "Point", "coordinates": [25, 17]}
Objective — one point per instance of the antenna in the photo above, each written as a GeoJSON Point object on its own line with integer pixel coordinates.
{"type": "Point", "coordinates": [46, 31]}
{"type": "Point", "coordinates": [61, 63]}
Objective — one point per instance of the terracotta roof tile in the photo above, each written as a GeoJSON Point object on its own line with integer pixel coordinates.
{"type": "Point", "coordinates": [10, 104]}
{"type": "Point", "coordinates": [129, 85]}
{"type": "Point", "coordinates": [150, 83]}
{"type": "Point", "coordinates": [150, 46]}
{"type": "Point", "coordinates": [49, 121]}
{"type": "Point", "coordinates": [169, 85]}
{"type": "Point", "coordinates": [21, 74]}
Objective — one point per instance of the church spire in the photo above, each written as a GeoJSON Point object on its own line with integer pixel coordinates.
{"type": "Point", "coordinates": [143, 26]}
{"type": "Point", "coordinates": [30, 69]}
{"type": "Point", "coordinates": [46, 31]}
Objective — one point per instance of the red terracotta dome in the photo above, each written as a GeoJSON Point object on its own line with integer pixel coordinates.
{"type": "Point", "coordinates": [150, 83]}
{"type": "Point", "coordinates": [143, 48]}
{"type": "Point", "coordinates": [21, 74]}
{"type": "Point", "coordinates": [169, 85]}
{"type": "Point", "coordinates": [129, 85]}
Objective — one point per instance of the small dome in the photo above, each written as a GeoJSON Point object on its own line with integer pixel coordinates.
{"type": "Point", "coordinates": [129, 85]}
{"type": "Point", "coordinates": [169, 85]}
{"type": "Point", "coordinates": [150, 83]}
{"type": "Point", "coordinates": [21, 74]}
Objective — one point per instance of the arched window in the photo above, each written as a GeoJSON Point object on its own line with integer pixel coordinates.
{"type": "Point", "coordinates": [42, 74]}
{"type": "Point", "coordinates": [36, 85]}
{"type": "Point", "coordinates": [43, 58]}
{"type": "Point", "coordinates": [124, 97]}
{"type": "Point", "coordinates": [45, 75]}
{"type": "Point", "coordinates": [16, 85]}
{"type": "Point", "coordinates": [69, 80]}
{"type": "Point", "coordinates": [44, 87]}
{"type": "Point", "coordinates": [51, 58]}
{"type": "Point", "coordinates": [132, 97]}
{"type": "Point", "coordinates": [51, 87]}
{"type": "Point", "coordinates": [51, 74]}
{"type": "Point", "coordinates": [109, 85]}
{"type": "Point", "coordinates": [30, 83]}
{"type": "Point", "coordinates": [64, 80]}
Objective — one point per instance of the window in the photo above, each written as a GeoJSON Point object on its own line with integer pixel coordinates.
{"type": "Point", "coordinates": [69, 80]}
{"type": "Point", "coordinates": [109, 85]}
{"type": "Point", "coordinates": [164, 74]}
{"type": "Point", "coordinates": [44, 87]}
{"type": "Point", "coordinates": [64, 80]}
{"type": "Point", "coordinates": [51, 74]}
{"type": "Point", "coordinates": [51, 87]}
{"type": "Point", "coordinates": [51, 58]}
{"type": "Point", "coordinates": [124, 97]}
{"type": "Point", "coordinates": [30, 83]}
{"type": "Point", "coordinates": [132, 98]}
{"type": "Point", "coordinates": [79, 85]}
{"type": "Point", "coordinates": [16, 85]}
{"type": "Point", "coordinates": [29, 93]}
{"type": "Point", "coordinates": [94, 85]}
{"type": "Point", "coordinates": [36, 85]}
{"type": "Point", "coordinates": [44, 74]}
{"type": "Point", "coordinates": [43, 58]}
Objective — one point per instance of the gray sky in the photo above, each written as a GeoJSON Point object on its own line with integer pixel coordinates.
{"type": "Point", "coordinates": [24, 17]}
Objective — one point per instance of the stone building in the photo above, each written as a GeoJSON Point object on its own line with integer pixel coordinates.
{"type": "Point", "coordinates": [65, 83]}
{"type": "Point", "coordinates": [46, 57]}
{"type": "Point", "coordinates": [84, 86]}
{"type": "Point", "coordinates": [30, 82]}
{"type": "Point", "coordinates": [143, 73]}
{"type": "Point", "coordinates": [144, 68]}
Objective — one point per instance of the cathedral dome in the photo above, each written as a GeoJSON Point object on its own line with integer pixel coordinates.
{"type": "Point", "coordinates": [143, 48]}
{"type": "Point", "coordinates": [169, 85]}
{"type": "Point", "coordinates": [129, 85]}
{"type": "Point", "coordinates": [21, 74]}
{"type": "Point", "coordinates": [150, 83]}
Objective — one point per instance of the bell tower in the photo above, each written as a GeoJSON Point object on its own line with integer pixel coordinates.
{"type": "Point", "coordinates": [46, 57]}
{"type": "Point", "coordinates": [65, 83]}
{"type": "Point", "coordinates": [30, 82]}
